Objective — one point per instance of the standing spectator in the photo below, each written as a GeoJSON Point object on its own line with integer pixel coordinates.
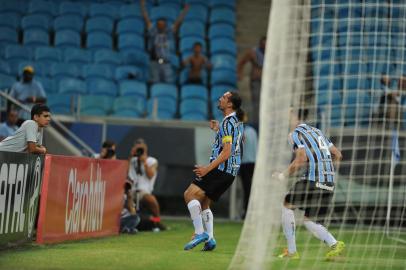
{"type": "Point", "coordinates": [28, 138]}
{"type": "Point", "coordinates": [250, 145]}
{"type": "Point", "coordinates": [143, 170]}
{"type": "Point", "coordinates": [256, 57]}
{"type": "Point", "coordinates": [196, 62]}
{"type": "Point", "coordinates": [389, 112]}
{"type": "Point", "coordinates": [28, 91]}
{"type": "Point", "coordinates": [160, 45]}
{"type": "Point", "coordinates": [9, 127]}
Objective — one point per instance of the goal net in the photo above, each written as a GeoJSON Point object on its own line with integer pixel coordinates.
{"type": "Point", "coordinates": [344, 61]}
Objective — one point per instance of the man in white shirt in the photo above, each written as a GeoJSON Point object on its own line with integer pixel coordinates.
{"type": "Point", "coordinates": [142, 173]}
{"type": "Point", "coordinates": [28, 138]}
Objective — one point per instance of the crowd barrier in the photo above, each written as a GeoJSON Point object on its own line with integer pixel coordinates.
{"type": "Point", "coordinates": [78, 197]}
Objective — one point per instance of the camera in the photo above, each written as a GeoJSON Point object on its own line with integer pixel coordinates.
{"type": "Point", "coordinates": [139, 152]}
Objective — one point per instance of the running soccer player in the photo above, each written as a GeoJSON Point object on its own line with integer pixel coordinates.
{"type": "Point", "coordinates": [214, 179]}
{"type": "Point", "coordinates": [313, 162]}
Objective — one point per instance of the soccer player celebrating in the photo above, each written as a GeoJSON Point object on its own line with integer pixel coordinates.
{"type": "Point", "coordinates": [214, 179]}
{"type": "Point", "coordinates": [313, 162]}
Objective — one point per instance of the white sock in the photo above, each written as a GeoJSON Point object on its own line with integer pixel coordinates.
{"type": "Point", "coordinates": [288, 224]}
{"type": "Point", "coordinates": [195, 214]}
{"type": "Point", "coordinates": [208, 222]}
{"type": "Point", "coordinates": [320, 232]}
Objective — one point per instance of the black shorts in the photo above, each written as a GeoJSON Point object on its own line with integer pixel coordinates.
{"type": "Point", "coordinates": [215, 183]}
{"type": "Point", "coordinates": [313, 200]}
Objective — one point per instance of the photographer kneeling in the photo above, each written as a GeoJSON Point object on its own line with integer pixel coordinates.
{"type": "Point", "coordinates": [143, 173]}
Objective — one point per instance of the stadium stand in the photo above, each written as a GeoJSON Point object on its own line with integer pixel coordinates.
{"type": "Point", "coordinates": [99, 48]}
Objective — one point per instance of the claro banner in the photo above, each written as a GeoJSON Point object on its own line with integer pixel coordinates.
{"type": "Point", "coordinates": [81, 198]}
{"type": "Point", "coordinates": [20, 183]}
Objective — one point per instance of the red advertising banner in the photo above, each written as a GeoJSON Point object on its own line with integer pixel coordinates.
{"type": "Point", "coordinates": [80, 198]}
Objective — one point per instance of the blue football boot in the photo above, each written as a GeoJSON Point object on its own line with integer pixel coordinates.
{"type": "Point", "coordinates": [209, 245]}
{"type": "Point", "coordinates": [199, 238]}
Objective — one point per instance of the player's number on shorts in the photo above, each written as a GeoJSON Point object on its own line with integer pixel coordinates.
{"type": "Point", "coordinates": [323, 145]}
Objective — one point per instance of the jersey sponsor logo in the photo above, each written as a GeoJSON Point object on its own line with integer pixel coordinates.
{"type": "Point", "coordinates": [325, 187]}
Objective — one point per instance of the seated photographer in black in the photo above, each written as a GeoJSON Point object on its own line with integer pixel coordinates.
{"type": "Point", "coordinates": [108, 150]}
{"type": "Point", "coordinates": [142, 173]}
{"type": "Point", "coordinates": [129, 219]}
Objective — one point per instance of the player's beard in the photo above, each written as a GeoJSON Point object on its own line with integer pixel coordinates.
{"type": "Point", "coordinates": [219, 107]}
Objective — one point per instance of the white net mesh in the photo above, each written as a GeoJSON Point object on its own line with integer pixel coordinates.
{"type": "Point", "coordinates": [343, 60]}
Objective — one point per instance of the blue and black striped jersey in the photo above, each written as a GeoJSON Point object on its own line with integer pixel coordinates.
{"type": "Point", "coordinates": [230, 131]}
{"type": "Point", "coordinates": [320, 166]}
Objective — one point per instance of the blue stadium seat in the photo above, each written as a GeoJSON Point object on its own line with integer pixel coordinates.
{"type": "Point", "coordinates": [19, 7]}
{"type": "Point", "coordinates": [103, 10]}
{"type": "Point", "coordinates": [223, 76]}
{"type": "Point", "coordinates": [130, 26]}
{"type": "Point", "coordinates": [6, 81]}
{"type": "Point", "coordinates": [133, 88]}
{"type": "Point", "coordinates": [67, 39]}
{"type": "Point", "coordinates": [60, 103]}
{"type": "Point", "coordinates": [10, 20]}
{"type": "Point", "coordinates": [164, 90]}
{"type": "Point", "coordinates": [224, 61]}
{"type": "Point", "coordinates": [159, 12]}
{"type": "Point", "coordinates": [130, 11]}
{"type": "Point", "coordinates": [129, 72]}
{"type": "Point", "coordinates": [194, 92]}
{"type": "Point", "coordinates": [8, 35]}
{"type": "Point", "coordinates": [221, 30]}
{"type": "Point", "coordinates": [69, 22]}
{"type": "Point", "coordinates": [105, 56]}
{"type": "Point", "coordinates": [47, 8]}
{"type": "Point", "coordinates": [102, 87]}
{"type": "Point", "coordinates": [60, 70]}
{"type": "Point", "coordinates": [130, 41]}
{"type": "Point", "coordinates": [193, 116]}
{"type": "Point", "coordinates": [194, 106]}
{"type": "Point", "coordinates": [35, 21]}
{"type": "Point", "coordinates": [18, 52]}
{"type": "Point", "coordinates": [99, 24]}
{"type": "Point", "coordinates": [192, 29]}
{"type": "Point", "coordinates": [73, 8]}
{"type": "Point", "coordinates": [75, 55]}
{"type": "Point", "coordinates": [129, 107]}
{"type": "Point", "coordinates": [135, 57]}
{"type": "Point", "coordinates": [72, 86]}
{"type": "Point", "coordinates": [48, 54]}
{"type": "Point", "coordinates": [223, 46]}
{"type": "Point", "coordinates": [204, 3]}
{"type": "Point", "coordinates": [99, 40]}
{"type": "Point", "coordinates": [197, 12]}
{"type": "Point", "coordinates": [95, 105]}
{"type": "Point", "coordinates": [186, 44]}
{"type": "Point", "coordinates": [166, 107]}
{"type": "Point", "coordinates": [222, 3]}
{"type": "Point", "coordinates": [98, 71]}
{"type": "Point", "coordinates": [47, 84]}
{"type": "Point", "coordinates": [184, 76]}
{"type": "Point", "coordinates": [5, 68]}
{"type": "Point", "coordinates": [217, 91]}
{"type": "Point", "coordinates": [36, 37]}
{"type": "Point", "coordinates": [222, 15]}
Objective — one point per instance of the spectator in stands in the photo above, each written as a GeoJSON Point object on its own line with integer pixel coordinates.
{"type": "Point", "coordinates": [256, 57]}
{"type": "Point", "coordinates": [28, 91]}
{"type": "Point", "coordinates": [108, 150]}
{"type": "Point", "coordinates": [129, 218]}
{"type": "Point", "coordinates": [143, 170]}
{"type": "Point", "coordinates": [28, 138]}
{"type": "Point", "coordinates": [160, 45]}
{"type": "Point", "coordinates": [250, 145]}
{"type": "Point", "coordinates": [196, 62]}
{"type": "Point", "coordinates": [9, 127]}
{"type": "Point", "coordinates": [389, 113]}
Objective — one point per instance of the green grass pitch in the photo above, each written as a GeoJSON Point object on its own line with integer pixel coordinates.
{"type": "Point", "coordinates": [164, 250]}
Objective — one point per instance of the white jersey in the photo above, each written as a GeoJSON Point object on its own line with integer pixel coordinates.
{"type": "Point", "coordinates": [28, 132]}
{"type": "Point", "coordinates": [141, 181]}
